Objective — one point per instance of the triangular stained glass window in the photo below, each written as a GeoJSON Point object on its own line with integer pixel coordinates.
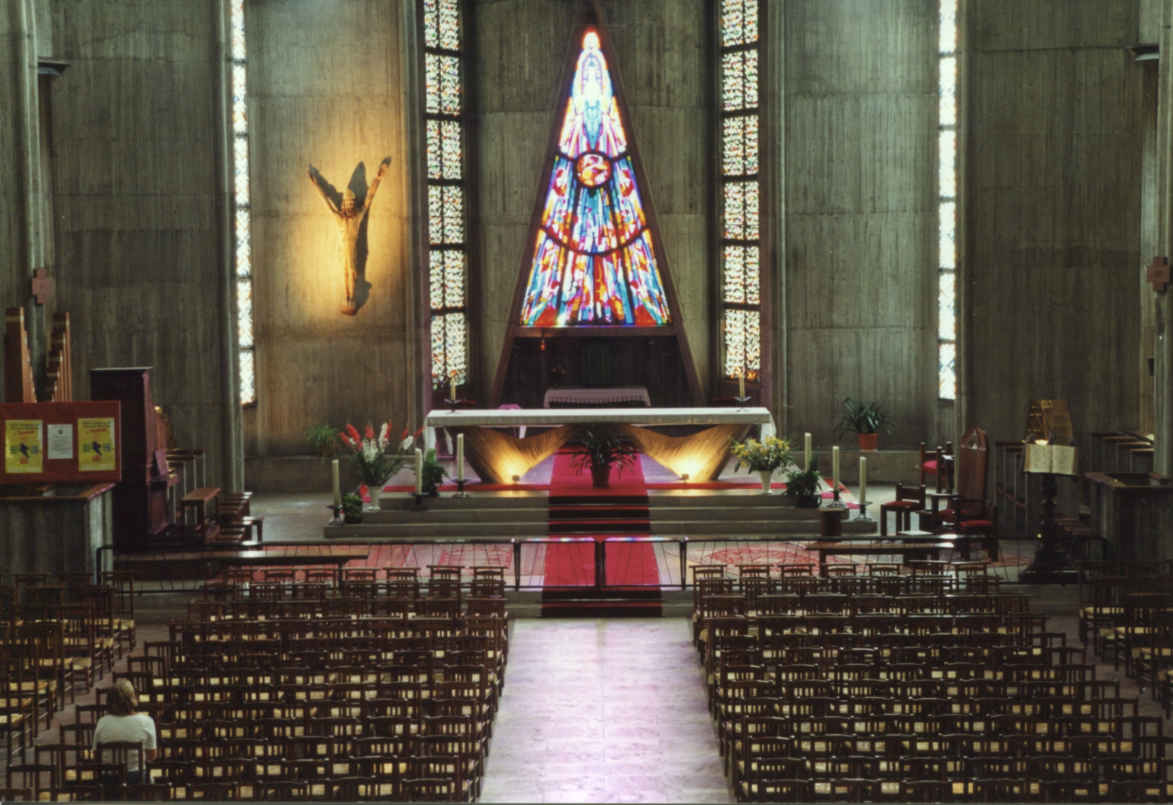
{"type": "Point", "coordinates": [594, 261]}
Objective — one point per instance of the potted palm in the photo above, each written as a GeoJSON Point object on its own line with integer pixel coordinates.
{"type": "Point", "coordinates": [864, 418]}
{"type": "Point", "coordinates": [762, 457]}
{"type": "Point", "coordinates": [600, 447]}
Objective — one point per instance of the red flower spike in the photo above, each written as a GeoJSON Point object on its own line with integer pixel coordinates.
{"type": "Point", "coordinates": [370, 433]}
{"type": "Point", "coordinates": [404, 436]}
{"type": "Point", "coordinates": [352, 431]}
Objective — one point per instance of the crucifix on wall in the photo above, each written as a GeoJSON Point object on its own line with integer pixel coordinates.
{"type": "Point", "coordinates": [350, 213]}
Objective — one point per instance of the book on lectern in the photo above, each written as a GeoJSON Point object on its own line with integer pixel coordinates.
{"type": "Point", "coordinates": [1054, 458]}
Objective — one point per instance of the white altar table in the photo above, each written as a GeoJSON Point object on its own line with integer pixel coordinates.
{"type": "Point", "coordinates": [501, 458]}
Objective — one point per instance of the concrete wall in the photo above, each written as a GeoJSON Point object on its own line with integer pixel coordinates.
{"type": "Point", "coordinates": [137, 194]}
{"type": "Point", "coordinates": [1056, 122]}
{"type": "Point", "coordinates": [659, 53]}
{"type": "Point", "coordinates": [860, 213]}
{"type": "Point", "coordinates": [325, 87]}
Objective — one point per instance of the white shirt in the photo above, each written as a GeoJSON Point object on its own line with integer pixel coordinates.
{"type": "Point", "coordinates": [139, 728]}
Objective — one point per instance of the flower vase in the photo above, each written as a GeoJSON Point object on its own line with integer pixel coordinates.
{"type": "Point", "coordinates": [766, 476]}
{"type": "Point", "coordinates": [376, 493]}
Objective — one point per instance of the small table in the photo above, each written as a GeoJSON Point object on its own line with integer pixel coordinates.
{"type": "Point", "coordinates": [906, 550]}
{"type": "Point", "coordinates": [199, 503]}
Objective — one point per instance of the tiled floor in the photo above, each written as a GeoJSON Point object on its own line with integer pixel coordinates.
{"type": "Point", "coordinates": [599, 710]}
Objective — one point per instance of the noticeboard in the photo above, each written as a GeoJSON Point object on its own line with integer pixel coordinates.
{"type": "Point", "coordinates": [61, 442]}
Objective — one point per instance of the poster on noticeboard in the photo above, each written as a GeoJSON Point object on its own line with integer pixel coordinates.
{"type": "Point", "coordinates": [24, 448]}
{"type": "Point", "coordinates": [95, 440]}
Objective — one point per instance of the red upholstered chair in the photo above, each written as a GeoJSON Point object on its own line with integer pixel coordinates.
{"type": "Point", "coordinates": [969, 513]}
{"type": "Point", "coordinates": [937, 465]}
{"type": "Point", "coordinates": [908, 499]}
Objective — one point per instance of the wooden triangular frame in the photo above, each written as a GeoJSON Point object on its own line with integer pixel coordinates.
{"type": "Point", "coordinates": [591, 18]}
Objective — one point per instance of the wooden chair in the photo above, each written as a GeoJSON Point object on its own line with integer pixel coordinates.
{"type": "Point", "coordinates": [908, 499]}
{"type": "Point", "coordinates": [969, 513]}
{"type": "Point", "coordinates": [937, 465]}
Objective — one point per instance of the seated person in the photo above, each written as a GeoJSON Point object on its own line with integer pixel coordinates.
{"type": "Point", "coordinates": [125, 723]}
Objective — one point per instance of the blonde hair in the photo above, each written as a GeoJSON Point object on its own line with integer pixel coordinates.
{"type": "Point", "coordinates": [122, 700]}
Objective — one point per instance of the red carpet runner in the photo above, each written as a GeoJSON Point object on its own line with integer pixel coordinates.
{"type": "Point", "coordinates": [578, 510]}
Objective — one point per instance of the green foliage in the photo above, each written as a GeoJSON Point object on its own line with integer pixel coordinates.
{"type": "Point", "coordinates": [433, 473]}
{"type": "Point", "coordinates": [766, 455]}
{"type": "Point", "coordinates": [351, 506]}
{"type": "Point", "coordinates": [862, 417]}
{"type": "Point", "coordinates": [803, 483]}
{"type": "Point", "coordinates": [602, 445]}
{"type": "Point", "coordinates": [324, 439]}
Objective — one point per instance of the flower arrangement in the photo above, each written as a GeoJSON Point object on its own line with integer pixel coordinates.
{"type": "Point", "coordinates": [769, 454]}
{"type": "Point", "coordinates": [376, 458]}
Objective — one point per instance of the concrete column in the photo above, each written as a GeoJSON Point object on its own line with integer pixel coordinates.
{"type": "Point", "coordinates": [1163, 380]}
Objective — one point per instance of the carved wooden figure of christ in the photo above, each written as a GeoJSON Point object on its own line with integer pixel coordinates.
{"type": "Point", "coordinates": [350, 216]}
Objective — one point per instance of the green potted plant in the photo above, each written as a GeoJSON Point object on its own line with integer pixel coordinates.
{"type": "Point", "coordinates": [433, 474]}
{"type": "Point", "coordinates": [762, 457]}
{"type": "Point", "coordinates": [601, 446]}
{"type": "Point", "coordinates": [351, 508]}
{"type": "Point", "coordinates": [865, 419]}
{"type": "Point", "coordinates": [324, 439]}
{"type": "Point", "coordinates": [803, 487]}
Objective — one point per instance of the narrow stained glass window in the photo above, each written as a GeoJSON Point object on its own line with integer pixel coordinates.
{"type": "Point", "coordinates": [595, 261]}
{"type": "Point", "coordinates": [740, 188]}
{"type": "Point", "coordinates": [242, 263]}
{"type": "Point", "coordinates": [444, 156]}
{"type": "Point", "coordinates": [947, 201]}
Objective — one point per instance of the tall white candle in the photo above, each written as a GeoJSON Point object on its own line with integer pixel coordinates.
{"type": "Point", "coordinates": [835, 467]}
{"type": "Point", "coordinates": [741, 383]}
{"type": "Point", "coordinates": [460, 456]}
{"type": "Point", "coordinates": [419, 471]}
{"type": "Point", "coordinates": [863, 479]}
{"type": "Point", "coordinates": [806, 451]}
{"type": "Point", "coordinates": [336, 483]}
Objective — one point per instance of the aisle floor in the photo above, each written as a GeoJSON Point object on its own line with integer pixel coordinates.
{"type": "Point", "coordinates": [603, 710]}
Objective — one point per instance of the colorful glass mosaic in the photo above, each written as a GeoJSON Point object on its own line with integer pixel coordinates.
{"type": "Point", "coordinates": [444, 162]}
{"type": "Point", "coordinates": [740, 189]}
{"type": "Point", "coordinates": [241, 204]}
{"type": "Point", "coordinates": [594, 258]}
{"type": "Point", "coordinates": [947, 203]}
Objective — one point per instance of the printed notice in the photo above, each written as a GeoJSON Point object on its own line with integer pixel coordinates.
{"type": "Point", "coordinates": [23, 447]}
{"type": "Point", "coordinates": [60, 442]}
{"type": "Point", "coordinates": [95, 444]}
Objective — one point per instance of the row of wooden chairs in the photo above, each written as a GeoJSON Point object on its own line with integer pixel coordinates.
{"type": "Point", "coordinates": [881, 688]}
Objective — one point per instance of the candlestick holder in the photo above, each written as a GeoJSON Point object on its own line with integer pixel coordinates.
{"type": "Point", "coordinates": [742, 400]}
{"type": "Point", "coordinates": [863, 513]}
{"type": "Point", "coordinates": [418, 497]}
{"type": "Point", "coordinates": [835, 504]}
{"type": "Point", "coordinates": [460, 493]}
{"type": "Point", "coordinates": [336, 509]}
{"type": "Point", "coordinates": [452, 402]}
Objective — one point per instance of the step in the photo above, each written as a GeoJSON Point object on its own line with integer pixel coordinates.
{"type": "Point", "coordinates": [592, 512]}
{"type": "Point", "coordinates": [600, 526]}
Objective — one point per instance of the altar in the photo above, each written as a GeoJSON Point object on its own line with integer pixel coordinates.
{"type": "Point", "coordinates": [498, 456]}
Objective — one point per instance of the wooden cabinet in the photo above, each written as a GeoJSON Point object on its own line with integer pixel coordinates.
{"type": "Point", "coordinates": [1134, 514]}
{"type": "Point", "coordinates": [141, 511]}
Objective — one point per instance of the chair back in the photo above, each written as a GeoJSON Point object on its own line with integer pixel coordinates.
{"type": "Point", "coordinates": [971, 469]}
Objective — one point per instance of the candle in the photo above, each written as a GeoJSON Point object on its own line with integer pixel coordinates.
{"type": "Point", "coordinates": [806, 451]}
{"type": "Point", "coordinates": [741, 384]}
{"type": "Point", "coordinates": [452, 386]}
{"type": "Point", "coordinates": [835, 467]}
{"type": "Point", "coordinates": [863, 479]}
{"type": "Point", "coordinates": [460, 456]}
{"type": "Point", "coordinates": [419, 471]}
{"type": "Point", "coordinates": [337, 483]}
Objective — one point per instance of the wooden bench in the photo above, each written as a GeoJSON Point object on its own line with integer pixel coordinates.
{"type": "Point", "coordinates": [188, 565]}
{"type": "Point", "coordinates": [906, 550]}
{"type": "Point", "coordinates": [199, 514]}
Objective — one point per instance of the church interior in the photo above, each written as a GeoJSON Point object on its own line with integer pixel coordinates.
{"type": "Point", "coordinates": [587, 400]}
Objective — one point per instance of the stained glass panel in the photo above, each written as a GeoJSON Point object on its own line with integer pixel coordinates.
{"type": "Point", "coordinates": [594, 261]}
{"type": "Point", "coordinates": [449, 24]}
{"type": "Point", "coordinates": [236, 24]}
{"type": "Point", "coordinates": [434, 150]}
{"type": "Point", "coordinates": [244, 312]}
{"type": "Point", "coordinates": [948, 30]}
{"type": "Point", "coordinates": [947, 241]}
{"type": "Point", "coordinates": [453, 156]}
{"type": "Point", "coordinates": [454, 278]}
{"type": "Point", "coordinates": [742, 343]}
{"type": "Point", "coordinates": [947, 163]}
{"type": "Point", "coordinates": [243, 241]}
{"type": "Point", "coordinates": [240, 178]}
{"type": "Point", "coordinates": [453, 214]}
{"type": "Point", "coordinates": [946, 306]}
{"type": "Point", "coordinates": [734, 275]}
{"type": "Point", "coordinates": [739, 80]}
{"type": "Point", "coordinates": [449, 341]}
{"type": "Point", "coordinates": [732, 22]}
{"type": "Point", "coordinates": [947, 91]}
{"type": "Point", "coordinates": [248, 386]}
{"type": "Point", "coordinates": [947, 370]}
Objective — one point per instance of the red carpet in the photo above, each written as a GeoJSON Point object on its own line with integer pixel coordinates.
{"type": "Point", "coordinates": [619, 513]}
